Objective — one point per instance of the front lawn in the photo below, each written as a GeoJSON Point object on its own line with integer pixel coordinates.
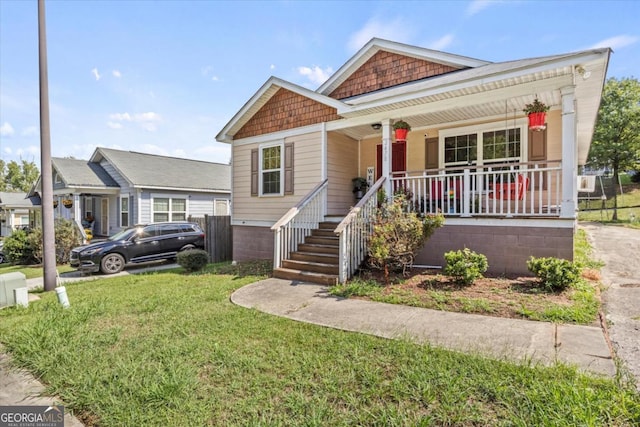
{"type": "Point", "coordinates": [31, 271]}
{"type": "Point", "coordinates": [169, 349]}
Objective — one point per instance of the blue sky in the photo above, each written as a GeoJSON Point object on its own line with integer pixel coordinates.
{"type": "Point", "coordinates": [164, 77]}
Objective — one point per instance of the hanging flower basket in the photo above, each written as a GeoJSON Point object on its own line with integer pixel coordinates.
{"type": "Point", "coordinates": [55, 204]}
{"type": "Point", "coordinates": [67, 203]}
{"type": "Point", "coordinates": [537, 112]}
{"type": "Point", "coordinates": [401, 129]}
{"type": "Point", "coordinates": [537, 121]}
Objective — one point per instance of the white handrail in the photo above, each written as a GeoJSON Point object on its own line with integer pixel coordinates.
{"type": "Point", "coordinates": [298, 222]}
{"type": "Point", "coordinates": [354, 231]}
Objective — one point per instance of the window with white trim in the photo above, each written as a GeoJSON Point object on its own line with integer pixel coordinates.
{"type": "Point", "coordinates": [271, 170]}
{"type": "Point", "coordinates": [484, 144]}
{"type": "Point", "coordinates": [124, 211]}
{"type": "Point", "coordinates": [169, 209]}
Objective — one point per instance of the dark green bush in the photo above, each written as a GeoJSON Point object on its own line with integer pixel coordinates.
{"type": "Point", "coordinates": [465, 266]}
{"type": "Point", "coordinates": [17, 247]}
{"type": "Point", "coordinates": [554, 273]}
{"type": "Point", "coordinates": [193, 260]}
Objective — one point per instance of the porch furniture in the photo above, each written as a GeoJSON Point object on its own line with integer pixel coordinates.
{"type": "Point", "coordinates": [510, 191]}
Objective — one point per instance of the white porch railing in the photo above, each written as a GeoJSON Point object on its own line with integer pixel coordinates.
{"type": "Point", "coordinates": [83, 234]}
{"type": "Point", "coordinates": [505, 190]}
{"type": "Point", "coordinates": [353, 232]}
{"type": "Point", "coordinates": [297, 223]}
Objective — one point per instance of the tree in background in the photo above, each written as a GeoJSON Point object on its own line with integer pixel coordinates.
{"type": "Point", "coordinates": [18, 177]}
{"type": "Point", "coordinates": [616, 138]}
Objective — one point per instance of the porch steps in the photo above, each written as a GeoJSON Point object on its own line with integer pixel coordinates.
{"type": "Point", "coordinates": [316, 260]}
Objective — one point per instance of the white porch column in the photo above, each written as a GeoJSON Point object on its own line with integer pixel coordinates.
{"type": "Point", "coordinates": [323, 165]}
{"type": "Point", "coordinates": [386, 156]}
{"type": "Point", "coordinates": [569, 154]}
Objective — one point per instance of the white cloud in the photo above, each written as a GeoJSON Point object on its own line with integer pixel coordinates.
{"type": "Point", "coordinates": [96, 74]}
{"type": "Point", "coordinates": [116, 74]}
{"type": "Point", "coordinates": [31, 150]}
{"type": "Point", "coordinates": [316, 74]}
{"type": "Point", "coordinates": [477, 6]}
{"type": "Point", "coordinates": [30, 131]}
{"type": "Point", "coordinates": [616, 42]}
{"type": "Point", "coordinates": [385, 28]}
{"type": "Point", "coordinates": [6, 129]}
{"type": "Point", "coordinates": [442, 43]}
{"type": "Point", "coordinates": [121, 117]}
{"type": "Point", "coordinates": [146, 121]}
{"type": "Point", "coordinates": [215, 78]}
{"type": "Point", "coordinates": [272, 66]}
{"type": "Point", "coordinates": [7, 150]}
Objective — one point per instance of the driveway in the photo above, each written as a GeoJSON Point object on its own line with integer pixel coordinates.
{"type": "Point", "coordinates": [619, 249]}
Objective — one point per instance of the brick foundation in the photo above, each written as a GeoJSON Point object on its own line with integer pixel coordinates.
{"type": "Point", "coordinates": [507, 248]}
{"type": "Point", "coordinates": [251, 243]}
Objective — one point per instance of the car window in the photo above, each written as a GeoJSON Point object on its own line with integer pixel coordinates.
{"type": "Point", "coordinates": [170, 229]}
{"type": "Point", "coordinates": [148, 231]}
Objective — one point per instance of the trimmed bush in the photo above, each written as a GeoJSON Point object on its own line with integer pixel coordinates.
{"type": "Point", "coordinates": [554, 273]}
{"type": "Point", "coordinates": [193, 260]}
{"type": "Point", "coordinates": [67, 237]}
{"type": "Point", "coordinates": [465, 266]}
{"type": "Point", "coordinates": [17, 247]}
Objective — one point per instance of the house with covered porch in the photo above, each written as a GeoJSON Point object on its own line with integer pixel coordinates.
{"type": "Point", "coordinates": [116, 189]}
{"type": "Point", "coordinates": [507, 191]}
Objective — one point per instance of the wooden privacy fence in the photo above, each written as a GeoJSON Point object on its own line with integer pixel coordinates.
{"type": "Point", "coordinates": [218, 237]}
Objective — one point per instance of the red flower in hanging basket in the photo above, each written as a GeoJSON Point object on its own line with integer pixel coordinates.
{"type": "Point", "coordinates": [401, 129]}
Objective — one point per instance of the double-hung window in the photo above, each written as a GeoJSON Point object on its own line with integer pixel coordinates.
{"type": "Point", "coordinates": [271, 169]}
{"type": "Point", "coordinates": [124, 211]}
{"type": "Point", "coordinates": [169, 209]}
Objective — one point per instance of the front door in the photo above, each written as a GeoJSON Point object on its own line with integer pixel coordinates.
{"type": "Point", "coordinates": [104, 216]}
{"type": "Point", "coordinates": [398, 158]}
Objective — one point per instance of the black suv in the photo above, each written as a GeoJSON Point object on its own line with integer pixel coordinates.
{"type": "Point", "coordinates": [141, 243]}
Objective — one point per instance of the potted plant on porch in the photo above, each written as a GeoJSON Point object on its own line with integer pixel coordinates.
{"type": "Point", "coordinates": [401, 129]}
{"type": "Point", "coordinates": [67, 203]}
{"type": "Point", "coordinates": [360, 186]}
{"type": "Point", "coordinates": [537, 113]}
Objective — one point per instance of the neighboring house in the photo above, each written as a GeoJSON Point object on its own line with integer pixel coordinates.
{"type": "Point", "coordinates": [117, 189]}
{"type": "Point", "coordinates": [506, 191]}
{"type": "Point", "coordinates": [17, 210]}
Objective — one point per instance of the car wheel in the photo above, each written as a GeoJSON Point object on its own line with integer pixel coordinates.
{"type": "Point", "coordinates": [187, 248]}
{"type": "Point", "coordinates": [2, 260]}
{"type": "Point", "coordinates": [112, 263]}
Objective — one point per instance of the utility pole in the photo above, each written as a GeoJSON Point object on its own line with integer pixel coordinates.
{"type": "Point", "coordinates": [46, 197]}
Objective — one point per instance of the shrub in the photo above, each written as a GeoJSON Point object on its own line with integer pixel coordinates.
{"type": "Point", "coordinates": [554, 273]}
{"type": "Point", "coordinates": [67, 237]}
{"type": "Point", "coordinates": [193, 260]}
{"type": "Point", "coordinates": [398, 235]}
{"type": "Point", "coordinates": [465, 266]}
{"type": "Point", "coordinates": [17, 247]}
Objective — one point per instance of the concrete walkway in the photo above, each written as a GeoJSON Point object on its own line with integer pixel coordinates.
{"type": "Point", "coordinates": [509, 339]}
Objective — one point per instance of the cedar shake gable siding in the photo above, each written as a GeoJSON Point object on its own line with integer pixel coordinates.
{"type": "Point", "coordinates": [386, 69]}
{"type": "Point", "coordinates": [286, 110]}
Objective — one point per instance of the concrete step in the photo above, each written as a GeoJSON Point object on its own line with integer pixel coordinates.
{"type": "Point", "coordinates": [315, 257]}
{"type": "Point", "coordinates": [305, 276]}
{"type": "Point", "coordinates": [318, 248]}
{"type": "Point", "coordinates": [308, 266]}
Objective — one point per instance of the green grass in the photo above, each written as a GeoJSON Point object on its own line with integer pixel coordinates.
{"type": "Point", "coordinates": [31, 271]}
{"type": "Point", "coordinates": [167, 349]}
{"type": "Point", "coordinates": [628, 208]}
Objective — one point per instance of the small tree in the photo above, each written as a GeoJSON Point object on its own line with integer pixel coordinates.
{"type": "Point", "coordinates": [616, 138]}
{"type": "Point", "coordinates": [398, 235]}
{"type": "Point", "coordinates": [17, 248]}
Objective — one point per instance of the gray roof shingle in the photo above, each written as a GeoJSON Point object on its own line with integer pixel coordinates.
{"type": "Point", "coordinates": [151, 170]}
{"type": "Point", "coordinates": [80, 173]}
